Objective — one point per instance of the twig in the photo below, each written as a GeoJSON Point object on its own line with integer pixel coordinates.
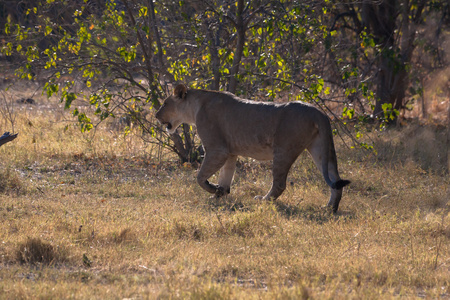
{"type": "Point", "coordinates": [438, 246]}
{"type": "Point", "coordinates": [220, 221]}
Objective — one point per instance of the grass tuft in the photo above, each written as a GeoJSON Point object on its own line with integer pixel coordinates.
{"type": "Point", "coordinates": [186, 230]}
{"type": "Point", "coordinates": [34, 251]}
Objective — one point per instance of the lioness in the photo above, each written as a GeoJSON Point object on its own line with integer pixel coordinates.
{"type": "Point", "coordinates": [230, 126]}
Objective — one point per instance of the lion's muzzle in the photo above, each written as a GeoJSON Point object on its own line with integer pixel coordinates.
{"type": "Point", "coordinates": [161, 120]}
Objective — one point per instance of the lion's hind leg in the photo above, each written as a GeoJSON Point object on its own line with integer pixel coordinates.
{"type": "Point", "coordinates": [329, 170]}
{"type": "Point", "coordinates": [282, 163]}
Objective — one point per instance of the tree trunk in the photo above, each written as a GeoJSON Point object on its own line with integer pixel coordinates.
{"type": "Point", "coordinates": [215, 60]}
{"type": "Point", "coordinates": [392, 78]}
{"type": "Point", "coordinates": [448, 138]}
{"type": "Point", "coordinates": [380, 20]}
{"type": "Point", "coordinates": [152, 23]}
{"type": "Point", "coordinates": [391, 86]}
{"type": "Point", "coordinates": [240, 29]}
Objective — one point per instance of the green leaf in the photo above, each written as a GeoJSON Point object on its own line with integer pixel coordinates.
{"type": "Point", "coordinates": [143, 11]}
{"type": "Point", "coordinates": [48, 30]}
{"type": "Point", "coordinates": [69, 98]}
{"type": "Point", "coordinates": [245, 51]}
{"type": "Point", "coordinates": [51, 88]}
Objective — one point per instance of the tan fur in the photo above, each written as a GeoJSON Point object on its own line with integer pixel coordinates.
{"type": "Point", "coordinates": [230, 127]}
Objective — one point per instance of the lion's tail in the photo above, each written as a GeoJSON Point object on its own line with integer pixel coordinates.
{"type": "Point", "coordinates": [329, 156]}
{"type": "Point", "coordinates": [340, 184]}
{"type": "Point", "coordinates": [337, 185]}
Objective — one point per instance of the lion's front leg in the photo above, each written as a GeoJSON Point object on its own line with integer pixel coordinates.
{"type": "Point", "coordinates": [226, 174]}
{"type": "Point", "coordinates": [211, 164]}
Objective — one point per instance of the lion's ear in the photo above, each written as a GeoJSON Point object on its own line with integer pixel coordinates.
{"type": "Point", "coordinates": [180, 91]}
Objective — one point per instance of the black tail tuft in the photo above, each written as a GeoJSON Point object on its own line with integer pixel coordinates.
{"type": "Point", "coordinates": [340, 184]}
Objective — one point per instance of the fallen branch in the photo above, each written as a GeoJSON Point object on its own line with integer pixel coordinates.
{"type": "Point", "coordinates": [7, 137]}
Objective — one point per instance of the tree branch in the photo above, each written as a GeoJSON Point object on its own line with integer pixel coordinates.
{"type": "Point", "coordinates": [7, 137]}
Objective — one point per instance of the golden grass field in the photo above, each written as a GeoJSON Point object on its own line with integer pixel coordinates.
{"type": "Point", "coordinates": [106, 218]}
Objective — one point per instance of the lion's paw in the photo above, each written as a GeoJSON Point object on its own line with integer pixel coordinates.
{"type": "Point", "coordinates": [220, 192]}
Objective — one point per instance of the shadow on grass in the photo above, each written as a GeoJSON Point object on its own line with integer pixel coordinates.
{"type": "Point", "coordinates": [318, 214]}
{"type": "Point", "coordinates": [228, 203]}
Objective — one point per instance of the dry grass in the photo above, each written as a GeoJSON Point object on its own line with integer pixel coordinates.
{"type": "Point", "coordinates": [104, 218]}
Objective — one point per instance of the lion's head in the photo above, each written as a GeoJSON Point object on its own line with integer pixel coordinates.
{"type": "Point", "coordinates": [172, 112]}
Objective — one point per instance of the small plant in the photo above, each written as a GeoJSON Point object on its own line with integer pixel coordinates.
{"type": "Point", "coordinates": [9, 182]}
{"type": "Point", "coordinates": [390, 114]}
{"type": "Point", "coordinates": [7, 110]}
